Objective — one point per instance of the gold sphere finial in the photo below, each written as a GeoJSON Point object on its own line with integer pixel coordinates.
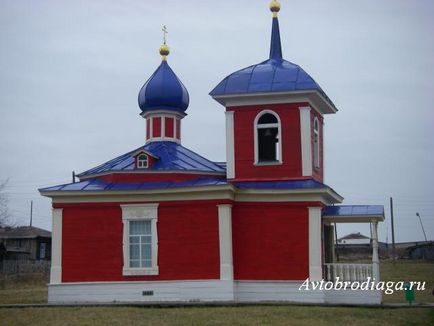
{"type": "Point", "coordinates": [164, 51]}
{"type": "Point", "coordinates": [275, 7]}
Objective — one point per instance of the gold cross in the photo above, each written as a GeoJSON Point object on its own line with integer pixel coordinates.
{"type": "Point", "coordinates": [164, 29]}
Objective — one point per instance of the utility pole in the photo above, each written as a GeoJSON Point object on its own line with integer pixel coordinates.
{"type": "Point", "coordinates": [420, 220]}
{"type": "Point", "coordinates": [393, 229]}
{"type": "Point", "coordinates": [31, 212]}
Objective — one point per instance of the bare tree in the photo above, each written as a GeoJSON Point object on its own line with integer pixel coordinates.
{"type": "Point", "coordinates": [5, 215]}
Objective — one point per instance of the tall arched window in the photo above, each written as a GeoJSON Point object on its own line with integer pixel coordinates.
{"type": "Point", "coordinates": [267, 138]}
{"type": "Point", "coordinates": [316, 142]}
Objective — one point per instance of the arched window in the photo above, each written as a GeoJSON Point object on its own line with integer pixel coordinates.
{"type": "Point", "coordinates": [316, 141]}
{"type": "Point", "coordinates": [267, 138]}
{"type": "Point", "coordinates": [142, 161]}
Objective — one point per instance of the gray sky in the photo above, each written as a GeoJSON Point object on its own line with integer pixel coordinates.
{"type": "Point", "coordinates": [71, 72]}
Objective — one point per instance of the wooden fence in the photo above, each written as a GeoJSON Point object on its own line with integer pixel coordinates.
{"type": "Point", "coordinates": [25, 266]}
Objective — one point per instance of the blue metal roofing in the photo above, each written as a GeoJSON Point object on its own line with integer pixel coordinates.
{"type": "Point", "coordinates": [171, 157]}
{"type": "Point", "coordinates": [272, 75]}
{"type": "Point", "coordinates": [353, 210]}
{"type": "Point", "coordinates": [163, 91]}
{"type": "Point", "coordinates": [98, 185]}
{"type": "Point", "coordinates": [290, 184]}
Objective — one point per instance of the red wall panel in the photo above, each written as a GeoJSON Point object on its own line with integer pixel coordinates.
{"type": "Point", "coordinates": [270, 241]}
{"type": "Point", "coordinates": [244, 143]}
{"type": "Point", "coordinates": [168, 127]}
{"type": "Point", "coordinates": [156, 127]}
{"type": "Point", "coordinates": [187, 236]}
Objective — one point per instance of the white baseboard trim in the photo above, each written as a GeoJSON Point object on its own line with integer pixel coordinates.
{"type": "Point", "coordinates": [203, 291]}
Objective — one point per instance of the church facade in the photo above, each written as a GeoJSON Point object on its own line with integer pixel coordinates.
{"type": "Point", "coordinates": [162, 223]}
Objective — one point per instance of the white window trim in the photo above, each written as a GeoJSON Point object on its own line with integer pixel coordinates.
{"type": "Point", "coordinates": [255, 137]}
{"type": "Point", "coordinates": [316, 144]}
{"type": "Point", "coordinates": [139, 161]}
{"type": "Point", "coordinates": [140, 212]}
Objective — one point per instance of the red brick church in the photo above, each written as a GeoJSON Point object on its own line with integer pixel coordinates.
{"type": "Point", "coordinates": [162, 223]}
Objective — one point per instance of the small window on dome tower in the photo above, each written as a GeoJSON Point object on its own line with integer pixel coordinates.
{"type": "Point", "coordinates": [268, 143]}
{"type": "Point", "coordinates": [142, 161]}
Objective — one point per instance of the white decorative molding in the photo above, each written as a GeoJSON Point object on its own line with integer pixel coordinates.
{"type": "Point", "coordinates": [225, 242]}
{"type": "Point", "coordinates": [315, 249]}
{"type": "Point", "coordinates": [56, 246]}
{"type": "Point", "coordinates": [140, 212]}
{"type": "Point", "coordinates": [230, 145]}
{"type": "Point", "coordinates": [306, 141]}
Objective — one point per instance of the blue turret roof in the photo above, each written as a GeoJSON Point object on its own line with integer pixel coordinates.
{"type": "Point", "coordinates": [163, 91]}
{"type": "Point", "coordinates": [272, 75]}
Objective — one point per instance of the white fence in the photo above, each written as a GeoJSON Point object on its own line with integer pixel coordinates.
{"type": "Point", "coordinates": [348, 272]}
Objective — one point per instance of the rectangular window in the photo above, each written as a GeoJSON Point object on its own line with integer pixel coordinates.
{"type": "Point", "coordinates": [140, 239]}
{"type": "Point", "coordinates": [140, 244]}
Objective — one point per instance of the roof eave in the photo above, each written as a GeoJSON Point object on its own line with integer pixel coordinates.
{"type": "Point", "coordinates": [314, 97]}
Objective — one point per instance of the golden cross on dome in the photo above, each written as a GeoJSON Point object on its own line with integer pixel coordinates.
{"type": "Point", "coordinates": [164, 29]}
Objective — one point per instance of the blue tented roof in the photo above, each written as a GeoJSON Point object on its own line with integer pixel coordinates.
{"type": "Point", "coordinates": [272, 75]}
{"type": "Point", "coordinates": [171, 157]}
{"type": "Point", "coordinates": [353, 210]}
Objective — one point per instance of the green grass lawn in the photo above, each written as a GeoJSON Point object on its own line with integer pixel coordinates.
{"type": "Point", "coordinates": [247, 315]}
{"type": "Point", "coordinates": [408, 270]}
{"type": "Point", "coordinates": [32, 289]}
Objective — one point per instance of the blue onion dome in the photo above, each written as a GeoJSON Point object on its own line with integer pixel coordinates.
{"type": "Point", "coordinates": [163, 90]}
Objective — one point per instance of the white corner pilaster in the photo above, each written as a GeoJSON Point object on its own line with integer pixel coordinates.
{"type": "Point", "coordinates": [225, 241]}
{"type": "Point", "coordinates": [375, 258]}
{"type": "Point", "coordinates": [315, 268]}
{"type": "Point", "coordinates": [306, 141]}
{"type": "Point", "coordinates": [230, 145]}
{"type": "Point", "coordinates": [56, 247]}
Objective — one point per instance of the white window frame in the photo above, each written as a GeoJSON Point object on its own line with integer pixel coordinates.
{"type": "Point", "coordinates": [279, 136]}
{"type": "Point", "coordinates": [140, 162]}
{"type": "Point", "coordinates": [139, 212]}
{"type": "Point", "coordinates": [316, 143]}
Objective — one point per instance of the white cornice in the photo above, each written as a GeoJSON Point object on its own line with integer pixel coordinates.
{"type": "Point", "coordinates": [224, 192]}
{"type": "Point", "coordinates": [315, 98]}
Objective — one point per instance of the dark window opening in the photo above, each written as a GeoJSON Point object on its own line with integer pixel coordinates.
{"type": "Point", "coordinates": [268, 138]}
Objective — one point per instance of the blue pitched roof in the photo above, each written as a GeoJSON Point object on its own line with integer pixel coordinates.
{"type": "Point", "coordinates": [99, 185]}
{"type": "Point", "coordinates": [272, 75]}
{"type": "Point", "coordinates": [163, 91]}
{"type": "Point", "coordinates": [171, 157]}
{"type": "Point", "coordinates": [353, 210]}
{"type": "Point", "coordinates": [289, 184]}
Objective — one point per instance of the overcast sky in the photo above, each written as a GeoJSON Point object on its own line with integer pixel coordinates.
{"type": "Point", "coordinates": [70, 72]}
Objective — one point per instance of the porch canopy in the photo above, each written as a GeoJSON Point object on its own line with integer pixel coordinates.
{"type": "Point", "coordinates": [354, 213]}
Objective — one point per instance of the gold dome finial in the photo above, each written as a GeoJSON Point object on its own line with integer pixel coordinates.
{"type": "Point", "coordinates": [164, 49]}
{"type": "Point", "coordinates": [275, 7]}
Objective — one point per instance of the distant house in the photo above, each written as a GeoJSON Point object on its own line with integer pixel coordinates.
{"type": "Point", "coordinates": [354, 239]}
{"type": "Point", "coordinates": [25, 243]}
{"type": "Point", "coordinates": [422, 251]}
